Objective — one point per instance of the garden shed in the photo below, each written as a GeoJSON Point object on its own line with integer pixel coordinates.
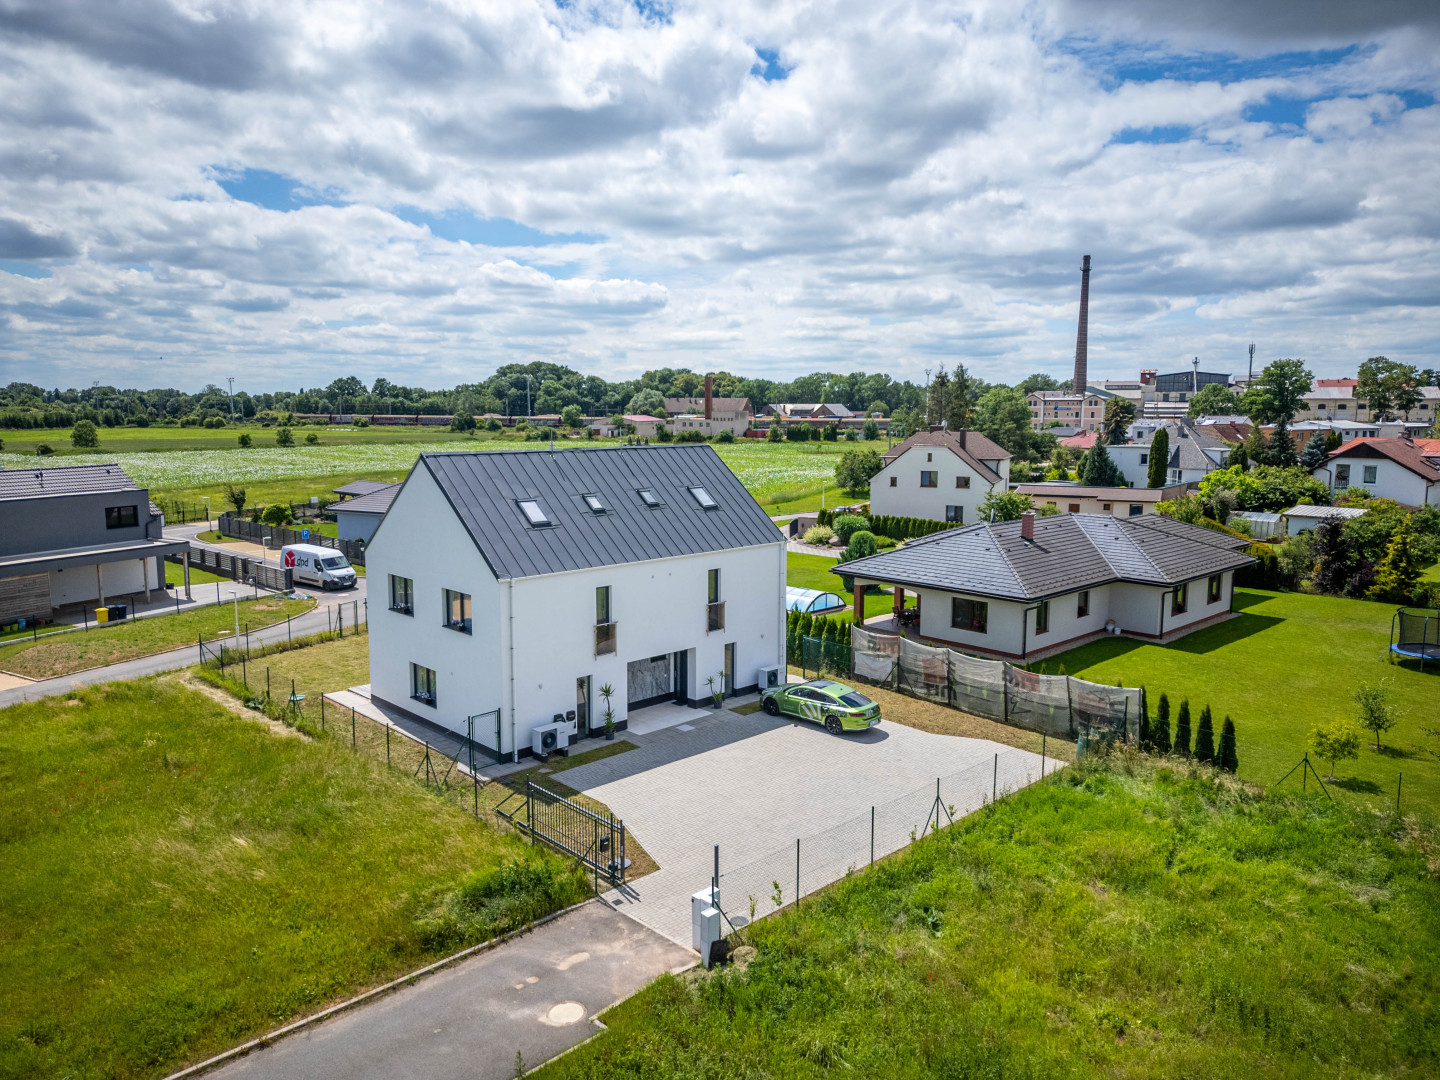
{"type": "Point", "coordinates": [1304, 518]}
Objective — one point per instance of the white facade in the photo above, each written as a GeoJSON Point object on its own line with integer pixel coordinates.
{"type": "Point", "coordinates": [903, 487]}
{"type": "Point", "coordinates": [1382, 477]}
{"type": "Point", "coordinates": [79, 584]}
{"type": "Point", "coordinates": [532, 640]}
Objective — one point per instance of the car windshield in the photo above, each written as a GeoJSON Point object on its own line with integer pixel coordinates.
{"type": "Point", "coordinates": [855, 701]}
{"type": "Point", "coordinates": [335, 562]}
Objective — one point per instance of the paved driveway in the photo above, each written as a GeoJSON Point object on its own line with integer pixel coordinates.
{"type": "Point", "coordinates": [754, 785]}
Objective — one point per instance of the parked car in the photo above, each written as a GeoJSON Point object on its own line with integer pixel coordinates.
{"type": "Point", "coordinates": [315, 565]}
{"type": "Point", "coordinates": [837, 706]}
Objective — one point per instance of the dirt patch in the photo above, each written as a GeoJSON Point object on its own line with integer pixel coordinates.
{"type": "Point", "coordinates": [227, 701]}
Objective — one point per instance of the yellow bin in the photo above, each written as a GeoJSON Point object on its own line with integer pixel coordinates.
{"type": "Point", "coordinates": [102, 614]}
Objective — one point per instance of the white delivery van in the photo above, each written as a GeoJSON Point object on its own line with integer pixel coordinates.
{"type": "Point", "coordinates": [315, 565]}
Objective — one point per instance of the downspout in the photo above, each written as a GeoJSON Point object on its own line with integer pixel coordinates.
{"type": "Point", "coordinates": [510, 614]}
{"type": "Point", "coordinates": [1024, 627]}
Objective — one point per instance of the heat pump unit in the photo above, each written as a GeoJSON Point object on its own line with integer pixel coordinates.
{"type": "Point", "coordinates": [771, 676]}
{"type": "Point", "coordinates": [545, 739]}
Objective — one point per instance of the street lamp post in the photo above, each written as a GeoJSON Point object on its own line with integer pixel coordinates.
{"type": "Point", "coordinates": [206, 499]}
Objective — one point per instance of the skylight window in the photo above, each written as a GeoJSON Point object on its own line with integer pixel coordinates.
{"type": "Point", "coordinates": [594, 503]}
{"type": "Point", "coordinates": [703, 498]}
{"type": "Point", "coordinates": [533, 514]}
{"type": "Point", "coordinates": [648, 498]}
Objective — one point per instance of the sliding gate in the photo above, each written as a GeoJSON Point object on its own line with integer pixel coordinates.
{"type": "Point", "coordinates": [598, 842]}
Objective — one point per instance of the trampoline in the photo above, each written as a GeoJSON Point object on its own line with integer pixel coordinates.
{"type": "Point", "coordinates": [1415, 635]}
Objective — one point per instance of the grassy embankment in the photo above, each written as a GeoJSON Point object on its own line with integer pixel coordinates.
{"type": "Point", "coordinates": [1118, 920]}
{"type": "Point", "coordinates": [65, 654]}
{"type": "Point", "coordinates": [181, 878]}
{"type": "Point", "coordinates": [1290, 661]}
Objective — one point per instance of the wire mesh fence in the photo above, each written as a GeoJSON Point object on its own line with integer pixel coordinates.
{"type": "Point", "coordinates": [1056, 705]}
{"type": "Point", "coordinates": [787, 875]}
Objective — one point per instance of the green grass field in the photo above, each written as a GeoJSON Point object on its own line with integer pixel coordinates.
{"type": "Point", "coordinates": [179, 879]}
{"type": "Point", "coordinates": [1117, 923]}
{"type": "Point", "coordinates": [64, 654]}
{"type": "Point", "coordinates": [175, 575]}
{"type": "Point", "coordinates": [1288, 662]}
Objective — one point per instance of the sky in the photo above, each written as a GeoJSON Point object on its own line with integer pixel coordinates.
{"type": "Point", "coordinates": [288, 193]}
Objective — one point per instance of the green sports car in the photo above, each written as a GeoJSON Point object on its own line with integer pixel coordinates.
{"type": "Point", "coordinates": [833, 704]}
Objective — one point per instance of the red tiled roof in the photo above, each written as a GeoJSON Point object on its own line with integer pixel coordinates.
{"type": "Point", "coordinates": [1404, 452]}
{"type": "Point", "coordinates": [1084, 441]}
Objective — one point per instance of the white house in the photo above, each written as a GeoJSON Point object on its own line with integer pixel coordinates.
{"type": "Point", "coordinates": [939, 476]}
{"type": "Point", "coordinates": [1017, 588]}
{"type": "Point", "coordinates": [357, 518]}
{"type": "Point", "coordinates": [524, 581]}
{"type": "Point", "coordinates": [1405, 470]}
{"type": "Point", "coordinates": [1194, 453]}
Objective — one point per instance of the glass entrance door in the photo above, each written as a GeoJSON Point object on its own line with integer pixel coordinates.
{"type": "Point", "coordinates": [582, 706]}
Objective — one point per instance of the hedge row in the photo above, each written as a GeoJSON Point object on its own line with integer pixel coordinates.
{"type": "Point", "coordinates": [833, 632]}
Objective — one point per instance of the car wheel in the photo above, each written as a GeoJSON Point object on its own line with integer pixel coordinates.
{"type": "Point", "coordinates": [832, 724]}
{"type": "Point", "coordinates": [772, 706]}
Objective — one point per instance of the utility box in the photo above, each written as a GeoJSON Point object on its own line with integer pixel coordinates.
{"type": "Point", "coordinates": [709, 934]}
{"type": "Point", "coordinates": [702, 901]}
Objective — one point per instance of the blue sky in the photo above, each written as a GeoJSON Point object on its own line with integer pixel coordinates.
{"type": "Point", "coordinates": [428, 193]}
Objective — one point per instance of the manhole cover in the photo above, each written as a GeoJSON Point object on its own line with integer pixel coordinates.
{"type": "Point", "coordinates": [567, 1012]}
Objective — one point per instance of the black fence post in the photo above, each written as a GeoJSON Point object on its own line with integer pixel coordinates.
{"type": "Point", "coordinates": [387, 746]}
{"type": "Point", "coordinates": [1399, 780]}
{"type": "Point", "coordinates": [352, 725]}
{"type": "Point", "coordinates": [995, 781]}
{"type": "Point", "coordinates": [1042, 755]}
{"type": "Point", "coordinates": [797, 873]}
{"type": "Point", "coordinates": [872, 836]}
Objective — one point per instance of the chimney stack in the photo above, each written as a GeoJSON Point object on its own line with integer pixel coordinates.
{"type": "Point", "coordinates": [709, 396]}
{"type": "Point", "coordinates": [962, 438]}
{"type": "Point", "coordinates": [1082, 336]}
{"type": "Point", "coordinates": [1027, 525]}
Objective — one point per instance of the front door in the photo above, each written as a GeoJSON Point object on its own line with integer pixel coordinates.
{"type": "Point", "coordinates": [729, 669]}
{"type": "Point", "coordinates": [682, 677]}
{"type": "Point", "coordinates": [582, 706]}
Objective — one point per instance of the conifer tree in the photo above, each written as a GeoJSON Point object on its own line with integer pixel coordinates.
{"type": "Point", "coordinates": [1160, 728]}
{"type": "Point", "coordinates": [1314, 454]}
{"type": "Point", "coordinates": [1399, 571]}
{"type": "Point", "coordinates": [1182, 729]}
{"type": "Point", "coordinates": [1229, 759]}
{"type": "Point", "coordinates": [1205, 738]}
{"type": "Point", "coordinates": [1159, 465]}
{"type": "Point", "coordinates": [1144, 720]}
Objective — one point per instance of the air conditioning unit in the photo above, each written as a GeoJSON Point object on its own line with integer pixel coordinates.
{"type": "Point", "coordinates": [546, 739]}
{"type": "Point", "coordinates": [774, 675]}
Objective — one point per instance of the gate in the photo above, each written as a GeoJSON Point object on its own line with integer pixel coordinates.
{"type": "Point", "coordinates": [598, 842]}
{"type": "Point", "coordinates": [477, 730]}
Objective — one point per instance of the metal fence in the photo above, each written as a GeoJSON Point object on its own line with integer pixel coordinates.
{"type": "Point", "coordinates": [280, 536]}
{"type": "Point", "coordinates": [178, 512]}
{"type": "Point", "coordinates": [1053, 704]}
{"type": "Point", "coordinates": [270, 576]}
{"type": "Point", "coordinates": [598, 842]}
{"type": "Point", "coordinates": [788, 874]}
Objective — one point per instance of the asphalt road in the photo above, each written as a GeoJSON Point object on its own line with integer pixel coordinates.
{"type": "Point", "coordinates": [534, 994]}
{"type": "Point", "coordinates": [309, 623]}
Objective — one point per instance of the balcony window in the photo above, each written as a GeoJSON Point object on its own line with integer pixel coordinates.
{"type": "Point", "coordinates": [402, 595]}
{"type": "Point", "coordinates": [972, 616]}
{"type": "Point", "coordinates": [422, 685]}
{"type": "Point", "coordinates": [714, 616]}
{"type": "Point", "coordinates": [1342, 475]}
{"type": "Point", "coordinates": [457, 611]}
{"type": "Point", "coordinates": [605, 635]}
{"type": "Point", "coordinates": [929, 478]}
{"type": "Point", "coordinates": [121, 517]}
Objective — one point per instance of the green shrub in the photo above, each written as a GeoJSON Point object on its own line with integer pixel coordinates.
{"type": "Point", "coordinates": [726, 436]}
{"type": "Point", "coordinates": [84, 436]}
{"type": "Point", "coordinates": [690, 436]}
{"type": "Point", "coordinates": [819, 534]}
{"type": "Point", "coordinates": [245, 441]}
{"type": "Point", "coordinates": [1160, 727]}
{"type": "Point", "coordinates": [847, 525]}
{"type": "Point", "coordinates": [1229, 760]}
{"type": "Point", "coordinates": [1182, 729]}
{"type": "Point", "coordinates": [495, 901]}
{"type": "Point", "coordinates": [284, 437]}
{"type": "Point", "coordinates": [1205, 738]}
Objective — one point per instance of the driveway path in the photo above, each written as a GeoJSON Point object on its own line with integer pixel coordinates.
{"type": "Point", "coordinates": [534, 994]}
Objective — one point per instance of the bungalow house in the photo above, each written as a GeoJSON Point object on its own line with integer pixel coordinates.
{"type": "Point", "coordinates": [1405, 470]}
{"type": "Point", "coordinates": [358, 517]}
{"type": "Point", "coordinates": [939, 476]}
{"type": "Point", "coordinates": [82, 534]}
{"type": "Point", "coordinates": [1042, 584]}
{"type": "Point", "coordinates": [517, 584]}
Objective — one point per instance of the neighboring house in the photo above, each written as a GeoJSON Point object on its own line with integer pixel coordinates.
{"type": "Point", "coordinates": [807, 412]}
{"type": "Point", "coordinates": [357, 519]}
{"type": "Point", "coordinates": [1302, 430]}
{"type": "Point", "coordinates": [1195, 452]}
{"type": "Point", "coordinates": [644, 426]}
{"type": "Point", "coordinates": [1043, 584]}
{"type": "Point", "coordinates": [939, 476]}
{"type": "Point", "coordinates": [1335, 399]}
{"type": "Point", "coordinates": [1115, 501]}
{"type": "Point", "coordinates": [356, 488]}
{"type": "Point", "coordinates": [524, 581]}
{"type": "Point", "coordinates": [1069, 411]}
{"type": "Point", "coordinates": [1081, 442]}
{"type": "Point", "coordinates": [1400, 469]}
{"type": "Point", "coordinates": [83, 534]}
{"type": "Point", "coordinates": [709, 415]}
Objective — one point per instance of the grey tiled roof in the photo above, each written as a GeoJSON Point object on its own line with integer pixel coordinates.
{"type": "Point", "coordinates": [485, 487]}
{"type": "Point", "coordinates": [1069, 552]}
{"type": "Point", "coordinates": [976, 451]}
{"type": "Point", "coordinates": [376, 502]}
{"type": "Point", "coordinates": [361, 487]}
{"type": "Point", "coordinates": [63, 480]}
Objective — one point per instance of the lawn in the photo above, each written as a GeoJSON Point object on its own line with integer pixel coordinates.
{"type": "Point", "coordinates": [1111, 922]}
{"type": "Point", "coordinates": [1288, 662]}
{"type": "Point", "coordinates": [179, 879]}
{"type": "Point", "coordinates": [64, 654]}
{"type": "Point", "coordinates": [813, 572]}
{"type": "Point", "coordinates": [175, 575]}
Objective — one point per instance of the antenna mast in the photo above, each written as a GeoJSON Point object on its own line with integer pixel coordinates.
{"type": "Point", "coordinates": [1251, 377]}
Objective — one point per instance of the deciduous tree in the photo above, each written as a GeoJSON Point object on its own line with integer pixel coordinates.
{"type": "Point", "coordinates": [1338, 740]}
{"type": "Point", "coordinates": [1376, 713]}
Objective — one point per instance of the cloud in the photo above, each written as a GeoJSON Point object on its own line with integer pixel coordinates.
{"type": "Point", "coordinates": [425, 192]}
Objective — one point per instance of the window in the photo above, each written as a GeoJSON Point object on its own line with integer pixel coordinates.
{"type": "Point", "coordinates": [955, 514]}
{"type": "Point", "coordinates": [605, 628]}
{"type": "Point", "coordinates": [1042, 617]}
{"type": "Point", "coordinates": [533, 514]}
{"type": "Point", "coordinates": [1136, 509]}
{"type": "Point", "coordinates": [1074, 507]}
{"type": "Point", "coordinates": [894, 481]}
{"type": "Point", "coordinates": [962, 481]}
{"type": "Point", "coordinates": [972, 616]}
{"type": "Point", "coordinates": [1359, 405]}
{"type": "Point", "coordinates": [1342, 406]}
{"type": "Point", "coordinates": [714, 586]}
{"type": "Point", "coordinates": [602, 604]}
{"type": "Point", "coordinates": [457, 611]}
{"type": "Point", "coordinates": [929, 479]}
{"type": "Point", "coordinates": [121, 517]}
{"type": "Point", "coordinates": [929, 457]}
{"type": "Point", "coordinates": [1212, 590]}
{"type": "Point", "coordinates": [1178, 600]}
{"type": "Point", "coordinates": [422, 684]}
{"type": "Point", "coordinates": [648, 498]}
{"type": "Point", "coordinates": [702, 497]}
{"type": "Point", "coordinates": [402, 595]}
{"type": "Point", "coordinates": [1082, 604]}
{"type": "Point", "coordinates": [1342, 475]}
{"type": "Point", "coordinates": [714, 607]}
{"type": "Point", "coordinates": [1144, 459]}
{"type": "Point", "coordinates": [593, 503]}
{"type": "Point", "coordinates": [1370, 471]}
{"type": "Point", "coordinates": [1106, 507]}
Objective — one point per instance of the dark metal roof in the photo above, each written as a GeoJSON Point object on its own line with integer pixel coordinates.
{"type": "Point", "coordinates": [485, 488]}
{"type": "Point", "coordinates": [1069, 552]}
{"type": "Point", "coordinates": [63, 480]}
{"type": "Point", "coordinates": [375, 502]}
{"type": "Point", "coordinates": [360, 487]}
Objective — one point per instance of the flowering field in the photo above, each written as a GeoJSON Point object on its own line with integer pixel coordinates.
{"type": "Point", "coordinates": [763, 468]}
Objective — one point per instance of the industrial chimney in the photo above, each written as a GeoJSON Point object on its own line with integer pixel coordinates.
{"type": "Point", "coordinates": [1083, 334]}
{"type": "Point", "coordinates": [709, 396]}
